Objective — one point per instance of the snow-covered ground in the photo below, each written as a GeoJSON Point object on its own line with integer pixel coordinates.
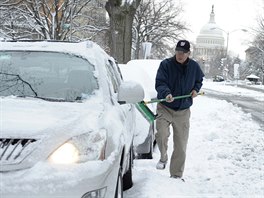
{"type": "Point", "coordinates": [231, 88]}
{"type": "Point", "coordinates": [225, 156]}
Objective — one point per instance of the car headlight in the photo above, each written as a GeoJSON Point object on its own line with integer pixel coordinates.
{"type": "Point", "coordinates": [81, 148]}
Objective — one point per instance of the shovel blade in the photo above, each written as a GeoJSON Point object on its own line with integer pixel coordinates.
{"type": "Point", "coordinates": [145, 111]}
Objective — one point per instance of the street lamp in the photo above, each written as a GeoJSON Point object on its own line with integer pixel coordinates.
{"type": "Point", "coordinates": [225, 68]}
{"type": "Point", "coordinates": [227, 36]}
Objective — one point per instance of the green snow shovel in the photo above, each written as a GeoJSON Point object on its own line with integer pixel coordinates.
{"type": "Point", "coordinates": [148, 114]}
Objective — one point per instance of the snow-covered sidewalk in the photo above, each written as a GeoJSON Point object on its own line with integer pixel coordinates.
{"type": "Point", "coordinates": [224, 158]}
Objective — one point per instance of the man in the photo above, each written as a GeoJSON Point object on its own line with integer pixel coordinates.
{"type": "Point", "coordinates": [176, 76]}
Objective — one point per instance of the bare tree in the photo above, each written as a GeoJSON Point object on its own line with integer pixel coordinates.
{"type": "Point", "coordinates": [256, 63]}
{"type": "Point", "coordinates": [121, 14]}
{"type": "Point", "coordinates": [49, 19]}
{"type": "Point", "coordinates": [158, 22]}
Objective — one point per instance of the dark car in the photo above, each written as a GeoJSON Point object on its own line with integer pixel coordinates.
{"type": "Point", "coordinates": [218, 78]}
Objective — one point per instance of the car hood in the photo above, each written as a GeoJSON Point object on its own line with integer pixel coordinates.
{"type": "Point", "coordinates": [34, 128]}
{"type": "Point", "coordinates": [29, 117]}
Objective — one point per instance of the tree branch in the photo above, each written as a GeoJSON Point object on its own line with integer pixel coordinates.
{"type": "Point", "coordinates": [19, 78]}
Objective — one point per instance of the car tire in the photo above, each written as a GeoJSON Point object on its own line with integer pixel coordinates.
{"type": "Point", "coordinates": [127, 178]}
{"type": "Point", "coordinates": [119, 185]}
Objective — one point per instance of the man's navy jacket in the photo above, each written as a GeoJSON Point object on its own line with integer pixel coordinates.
{"type": "Point", "coordinates": [178, 79]}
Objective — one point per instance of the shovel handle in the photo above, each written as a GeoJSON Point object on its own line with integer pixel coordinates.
{"type": "Point", "coordinates": [175, 98]}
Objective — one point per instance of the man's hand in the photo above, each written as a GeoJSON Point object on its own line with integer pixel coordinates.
{"type": "Point", "coordinates": [194, 93]}
{"type": "Point", "coordinates": [169, 98]}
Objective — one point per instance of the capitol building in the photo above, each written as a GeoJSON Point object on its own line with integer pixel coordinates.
{"type": "Point", "coordinates": [210, 43]}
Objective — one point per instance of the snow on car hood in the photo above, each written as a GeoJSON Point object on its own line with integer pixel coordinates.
{"type": "Point", "coordinates": [27, 117]}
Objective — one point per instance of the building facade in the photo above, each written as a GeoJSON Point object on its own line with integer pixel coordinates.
{"type": "Point", "coordinates": [209, 43]}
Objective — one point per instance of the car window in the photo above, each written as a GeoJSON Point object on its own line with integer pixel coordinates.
{"type": "Point", "coordinates": [114, 75]}
{"type": "Point", "coordinates": [46, 74]}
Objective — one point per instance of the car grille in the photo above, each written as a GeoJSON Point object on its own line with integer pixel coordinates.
{"type": "Point", "coordinates": [13, 151]}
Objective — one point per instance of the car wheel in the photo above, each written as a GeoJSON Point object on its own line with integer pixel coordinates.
{"type": "Point", "coordinates": [119, 186]}
{"type": "Point", "coordinates": [127, 178]}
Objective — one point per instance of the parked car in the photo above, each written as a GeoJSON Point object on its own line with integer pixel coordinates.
{"type": "Point", "coordinates": [218, 78]}
{"type": "Point", "coordinates": [144, 71]}
{"type": "Point", "coordinates": [67, 121]}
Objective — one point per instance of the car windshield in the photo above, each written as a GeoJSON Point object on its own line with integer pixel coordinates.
{"type": "Point", "coordinates": [47, 75]}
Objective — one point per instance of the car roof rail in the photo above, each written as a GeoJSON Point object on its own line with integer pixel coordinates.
{"type": "Point", "coordinates": [38, 40]}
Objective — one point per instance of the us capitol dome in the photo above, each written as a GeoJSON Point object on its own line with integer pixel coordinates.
{"type": "Point", "coordinates": [210, 40]}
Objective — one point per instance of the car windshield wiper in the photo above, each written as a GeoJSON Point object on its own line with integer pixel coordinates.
{"type": "Point", "coordinates": [78, 99]}
{"type": "Point", "coordinates": [45, 98]}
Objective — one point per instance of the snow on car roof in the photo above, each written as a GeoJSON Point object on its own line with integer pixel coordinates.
{"type": "Point", "coordinates": [86, 49]}
{"type": "Point", "coordinates": [252, 76]}
{"type": "Point", "coordinates": [144, 72]}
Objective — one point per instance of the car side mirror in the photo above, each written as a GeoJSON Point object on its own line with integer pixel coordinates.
{"type": "Point", "coordinates": [130, 92]}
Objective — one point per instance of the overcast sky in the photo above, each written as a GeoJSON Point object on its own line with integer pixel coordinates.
{"type": "Point", "coordinates": [229, 15]}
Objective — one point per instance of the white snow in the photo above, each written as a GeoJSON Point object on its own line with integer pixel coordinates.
{"type": "Point", "coordinates": [253, 76]}
{"type": "Point", "coordinates": [232, 89]}
{"type": "Point", "coordinates": [224, 157]}
{"type": "Point", "coordinates": [225, 149]}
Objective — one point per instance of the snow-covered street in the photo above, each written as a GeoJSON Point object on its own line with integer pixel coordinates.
{"type": "Point", "coordinates": [224, 157]}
